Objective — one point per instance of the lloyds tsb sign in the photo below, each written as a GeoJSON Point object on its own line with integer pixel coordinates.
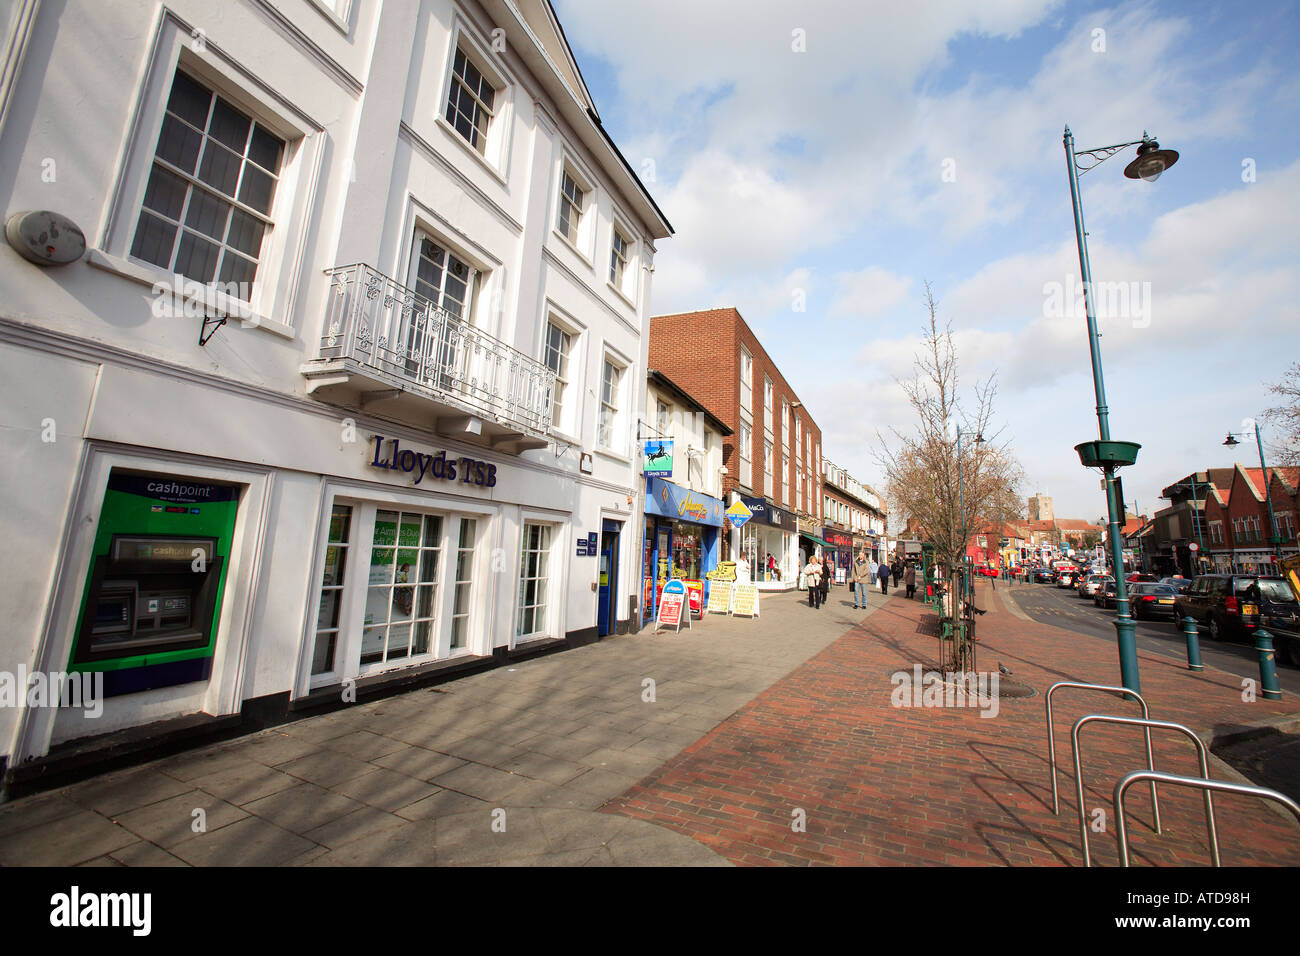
{"type": "Point", "coordinates": [468, 471]}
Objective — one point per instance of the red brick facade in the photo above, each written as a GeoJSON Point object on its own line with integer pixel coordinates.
{"type": "Point", "coordinates": [700, 351]}
{"type": "Point", "coordinates": [1236, 518]}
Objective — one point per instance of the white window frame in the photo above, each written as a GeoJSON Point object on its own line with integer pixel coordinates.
{"type": "Point", "coordinates": [746, 379]}
{"type": "Point", "coordinates": [555, 580]}
{"type": "Point", "coordinates": [746, 439]}
{"type": "Point", "coordinates": [627, 288]}
{"type": "Point", "coordinates": [495, 155]}
{"type": "Point", "coordinates": [564, 425]}
{"type": "Point", "coordinates": [611, 440]}
{"type": "Point", "coordinates": [281, 264]}
{"type": "Point", "coordinates": [663, 418]}
{"type": "Point", "coordinates": [582, 242]}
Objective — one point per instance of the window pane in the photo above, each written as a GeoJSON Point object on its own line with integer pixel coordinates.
{"type": "Point", "coordinates": [246, 233]}
{"type": "Point", "coordinates": [208, 214]}
{"type": "Point", "coordinates": [229, 126]}
{"type": "Point", "coordinates": [220, 168]}
{"type": "Point", "coordinates": [165, 193]}
{"type": "Point", "coordinates": [240, 271]}
{"type": "Point", "coordinates": [334, 558]}
{"type": "Point", "coordinates": [257, 190]}
{"type": "Point", "coordinates": [154, 240]}
{"type": "Point", "coordinates": [329, 609]}
{"type": "Point", "coordinates": [190, 101]}
{"type": "Point", "coordinates": [265, 149]}
{"type": "Point", "coordinates": [178, 144]}
{"type": "Point", "coordinates": [197, 258]}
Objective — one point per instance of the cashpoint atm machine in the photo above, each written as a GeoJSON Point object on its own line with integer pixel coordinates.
{"type": "Point", "coordinates": [157, 574]}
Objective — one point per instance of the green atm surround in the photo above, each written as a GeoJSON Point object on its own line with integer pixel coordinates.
{"type": "Point", "coordinates": [153, 592]}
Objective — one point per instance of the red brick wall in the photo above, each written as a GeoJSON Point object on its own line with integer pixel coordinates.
{"type": "Point", "coordinates": [700, 351]}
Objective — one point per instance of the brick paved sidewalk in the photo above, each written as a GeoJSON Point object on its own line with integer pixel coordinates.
{"type": "Point", "coordinates": [883, 785]}
{"type": "Point", "coordinates": [419, 779]}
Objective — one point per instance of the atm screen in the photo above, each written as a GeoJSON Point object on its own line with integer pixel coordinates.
{"type": "Point", "coordinates": [162, 549]}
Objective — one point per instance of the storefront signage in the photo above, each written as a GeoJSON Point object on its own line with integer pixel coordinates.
{"type": "Point", "coordinates": [673, 501]}
{"type": "Point", "coordinates": [658, 458]}
{"type": "Point", "coordinates": [720, 597]}
{"type": "Point", "coordinates": [592, 547]}
{"type": "Point", "coordinates": [745, 600]}
{"type": "Point", "coordinates": [582, 547]}
{"type": "Point", "coordinates": [672, 601]}
{"type": "Point", "coordinates": [470, 471]}
{"type": "Point", "coordinates": [770, 514]}
{"type": "Point", "coordinates": [739, 514]}
{"type": "Point", "coordinates": [836, 538]}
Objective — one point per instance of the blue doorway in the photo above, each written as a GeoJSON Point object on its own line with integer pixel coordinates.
{"type": "Point", "coordinates": [607, 611]}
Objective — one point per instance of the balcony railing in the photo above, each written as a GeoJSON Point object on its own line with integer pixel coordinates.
{"type": "Point", "coordinates": [389, 329]}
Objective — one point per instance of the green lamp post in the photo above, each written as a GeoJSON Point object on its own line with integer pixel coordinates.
{"type": "Point", "coordinates": [1104, 453]}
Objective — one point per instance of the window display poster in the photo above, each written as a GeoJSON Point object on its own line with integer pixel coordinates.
{"type": "Point", "coordinates": [745, 600]}
{"type": "Point", "coordinates": [671, 604]}
{"type": "Point", "coordinates": [720, 597]}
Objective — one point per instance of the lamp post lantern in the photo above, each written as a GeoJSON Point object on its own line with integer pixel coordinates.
{"type": "Point", "coordinates": [1104, 453]}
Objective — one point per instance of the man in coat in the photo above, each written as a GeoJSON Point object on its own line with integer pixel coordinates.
{"type": "Point", "coordinates": [861, 572]}
{"type": "Point", "coordinates": [882, 572]}
{"type": "Point", "coordinates": [909, 579]}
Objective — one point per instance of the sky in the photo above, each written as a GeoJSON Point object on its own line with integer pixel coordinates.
{"type": "Point", "coordinates": [820, 162]}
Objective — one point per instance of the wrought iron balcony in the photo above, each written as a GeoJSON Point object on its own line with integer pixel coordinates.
{"type": "Point", "coordinates": [378, 331]}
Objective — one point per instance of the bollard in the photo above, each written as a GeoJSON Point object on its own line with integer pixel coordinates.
{"type": "Point", "coordinates": [1271, 690]}
{"type": "Point", "coordinates": [1192, 633]}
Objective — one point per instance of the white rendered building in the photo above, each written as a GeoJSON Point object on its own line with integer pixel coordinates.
{"type": "Point", "coordinates": [409, 449]}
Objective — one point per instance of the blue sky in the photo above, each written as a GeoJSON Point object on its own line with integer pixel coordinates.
{"type": "Point", "coordinates": [847, 153]}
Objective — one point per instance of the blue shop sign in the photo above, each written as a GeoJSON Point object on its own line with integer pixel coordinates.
{"type": "Point", "coordinates": [673, 501]}
{"type": "Point", "coordinates": [768, 513]}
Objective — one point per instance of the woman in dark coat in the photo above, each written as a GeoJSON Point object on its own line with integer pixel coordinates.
{"type": "Point", "coordinates": [883, 573]}
{"type": "Point", "coordinates": [897, 569]}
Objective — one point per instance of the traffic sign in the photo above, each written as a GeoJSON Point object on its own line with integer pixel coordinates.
{"type": "Point", "coordinates": [1194, 546]}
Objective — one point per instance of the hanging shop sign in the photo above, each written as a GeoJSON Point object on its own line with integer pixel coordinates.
{"type": "Point", "coordinates": [672, 603]}
{"type": "Point", "coordinates": [673, 501]}
{"type": "Point", "coordinates": [769, 514]}
{"type": "Point", "coordinates": [390, 454]}
{"type": "Point", "coordinates": [739, 514]}
{"type": "Point", "coordinates": [658, 457]}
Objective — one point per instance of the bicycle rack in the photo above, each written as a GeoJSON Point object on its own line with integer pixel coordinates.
{"type": "Point", "coordinates": [1207, 785]}
{"type": "Point", "coordinates": [1051, 738]}
{"type": "Point", "coordinates": [1148, 724]}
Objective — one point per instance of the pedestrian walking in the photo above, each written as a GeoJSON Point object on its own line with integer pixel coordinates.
{"type": "Point", "coordinates": [861, 578]}
{"type": "Point", "coordinates": [897, 570]}
{"type": "Point", "coordinates": [828, 570]}
{"type": "Point", "coordinates": [909, 579]}
{"type": "Point", "coordinates": [812, 573]}
{"type": "Point", "coordinates": [883, 573]}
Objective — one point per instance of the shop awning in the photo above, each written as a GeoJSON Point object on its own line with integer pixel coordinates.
{"type": "Point", "coordinates": [816, 540]}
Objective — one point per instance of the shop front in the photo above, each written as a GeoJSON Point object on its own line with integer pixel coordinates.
{"type": "Point", "coordinates": [768, 545]}
{"type": "Point", "coordinates": [842, 550]}
{"type": "Point", "coordinates": [681, 542]}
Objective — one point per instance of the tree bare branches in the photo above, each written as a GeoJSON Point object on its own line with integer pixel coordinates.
{"type": "Point", "coordinates": [1284, 443]}
{"type": "Point", "coordinates": [950, 495]}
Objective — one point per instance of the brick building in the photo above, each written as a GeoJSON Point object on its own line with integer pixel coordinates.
{"type": "Point", "coordinates": [1236, 519]}
{"type": "Point", "coordinates": [772, 460]}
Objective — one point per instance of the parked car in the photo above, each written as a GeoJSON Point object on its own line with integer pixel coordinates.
{"type": "Point", "coordinates": [1151, 600]}
{"type": "Point", "coordinates": [1106, 594]}
{"type": "Point", "coordinates": [1178, 583]}
{"type": "Point", "coordinates": [1227, 604]}
{"type": "Point", "coordinates": [1089, 585]}
{"type": "Point", "coordinates": [1279, 611]}
{"type": "Point", "coordinates": [1065, 577]}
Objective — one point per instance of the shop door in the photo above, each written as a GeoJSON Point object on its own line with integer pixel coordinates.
{"type": "Point", "coordinates": [607, 612]}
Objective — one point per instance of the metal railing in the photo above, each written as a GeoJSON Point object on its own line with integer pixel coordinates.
{"type": "Point", "coordinates": [1051, 737]}
{"type": "Point", "coordinates": [1221, 786]}
{"type": "Point", "coordinates": [1147, 725]}
{"type": "Point", "coordinates": [382, 325]}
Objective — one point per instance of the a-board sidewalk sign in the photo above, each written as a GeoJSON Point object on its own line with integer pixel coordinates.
{"type": "Point", "coordinates": [744, 601]}
{"type": "Point", "coordinates": [672, 606]}
{"type": "Point", "coordinates": [720, 598]}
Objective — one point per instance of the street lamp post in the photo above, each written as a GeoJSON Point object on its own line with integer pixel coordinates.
{"type": "Point", "coordinates": [1273, 536]}
{"type": "Point", "coordinates": [1110, 455]}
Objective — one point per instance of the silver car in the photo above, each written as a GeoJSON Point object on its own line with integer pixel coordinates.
{"type": "Point", "coordinates": [1090, 584]}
